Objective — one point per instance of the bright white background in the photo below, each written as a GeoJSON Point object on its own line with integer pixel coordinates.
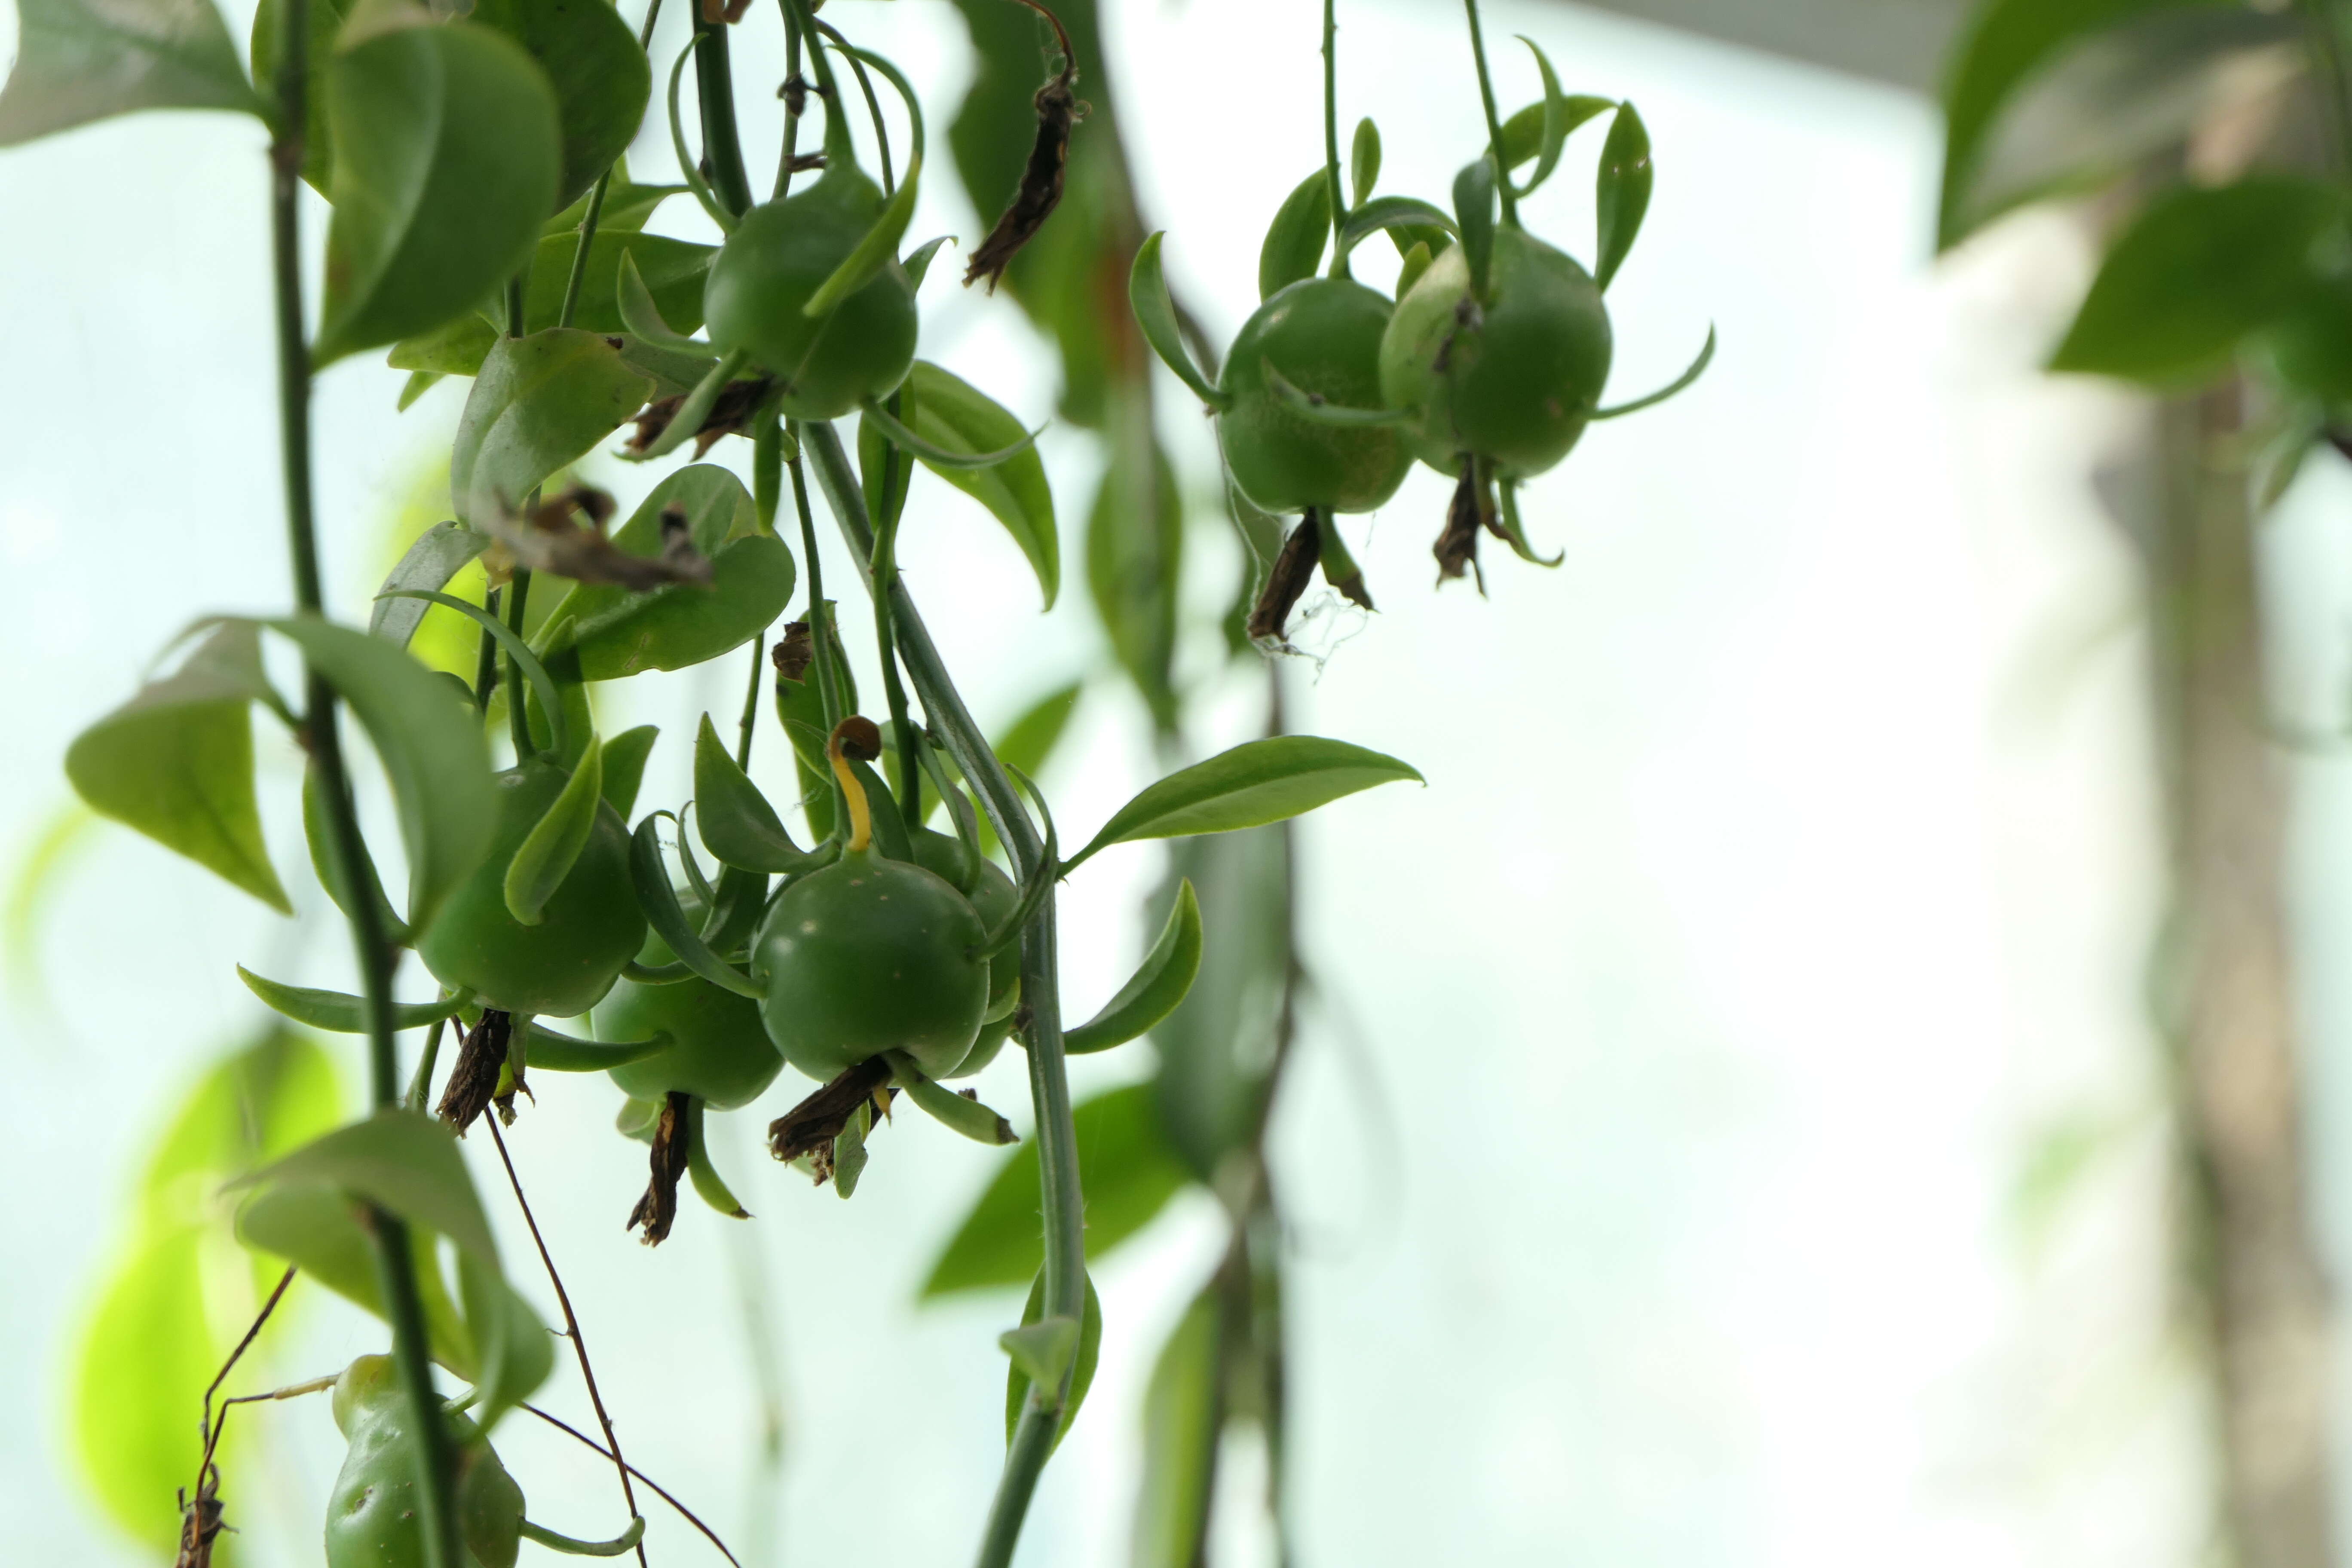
{"type": "Point", "coordinates": [1784, 877]}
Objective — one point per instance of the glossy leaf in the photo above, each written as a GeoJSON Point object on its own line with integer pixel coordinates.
{"type": "Point", "coordinates": [1155, 312]}
{"type": "Point", "coordinates": [553, 847]}
{"type": "Point", "coordinates": [659, 901]}
{"type": "Point", "coordinates": [338, 1012]}
{"type": "Point", "coordinates": [2201, 269]}
{"type": "Point", "coordinates": [1183, 1415]}
{"type": "Point", "coordinates": [602, 81]}
{"type": "Point", "coordinates": [737, 823]}
{"type": "Point", "coordinates": [399, 1160]}
{"type": "Point", "coordinates": [176, 762]}
{"type": "Point", "coordinates": [616, 633]}
{"type": "Point", "coordinates": [1087, 1354]}
{"type": "Point", "coordinates": [1155, 988]}
{"type": "Point", "coordinates": [457, 347]}
{"type": "Point", "coordinates": [447, 158]}
{"type": "Point", "coordinates": [1557, 121]}
{"type": "Point", "coordinates": [80, 60]}
{"type": "Point", "coordinates": [918, 261]}
{"type": "Point", "coordinates": [1293, 248]}
{"type": "Point", "coordinates": [942, 458]}
{"type": "Point", "coordinates": [948, 414]}
{"type": "Point", "coordinates": [539, 404]}
{"type": "Point", "coordinates": [1623, 191]}
{"type": "Point", "coordinates": [1364, 162]}
{"type": "Point", "coordinates": [1131, 1172]}
{"type": "Point", "coordinates": [1679, 384]}
{"type": "Point", "coordinates": [1524, 133]}
{"type": "Point", "coordinates": [641, 312]}
{"type": "Point", "coordinates": [1254, 784]}
{"type": "Point", "coordinates": [428, 564]}
{"type": "Point", "coordinates": [432, 750]}
{"type": "Point", "coordinates": [624, 767]}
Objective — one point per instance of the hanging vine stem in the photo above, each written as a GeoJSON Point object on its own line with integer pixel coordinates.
{"type": "Point", "coordinates": [589, 220]}
{"type": "Point", "coordinates": [570, 1327]}
{"type": "Point", "coordinates": [1332, 138]}
{"type": "Point", "coordinates": [1049, 1087]}
{"type": "Point", "coordinates": [884, 569]}
{"type": "Point", "coordinates": [1494, 120]}
{"type": "Point", "coordinates": [395, 1275]}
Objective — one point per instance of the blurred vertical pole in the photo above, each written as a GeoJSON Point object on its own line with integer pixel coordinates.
{"type": "Point", "coordinates": [2262, 1296]}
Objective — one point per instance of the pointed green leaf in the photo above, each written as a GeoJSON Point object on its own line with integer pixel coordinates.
{"type": "Point", "coordinates": [1623, 193]}
{"type": "Point", "coordinates": [176, 762]}
{"type": "Point", "coordinates": [338, 1012]}
{"type": "Point", "coordinates": [939, 458]}
{"type": "Point", "coordinates": [1135, 555]}
{"type": "Point", "coordinates": [643, 315]}
{"type": "Point", "coordinates": [627, 206]}
{"type": "Point", "coordinates": [400, 1159]}
{"type": "Point", "coordinates": [512, 1348]}
{"type": "Point", "coordinates": [428, 564]}
{"type": "Point", "coordinates": [737, 823]}
{"type": "Point", "coordinates": [709, 1185]}
{"type": "Point", "coordinates": [2201, 269]}
{"type": "Point", "coordinates": [955, 1112]}
{"type": "Point", "coordinates": [951, 415]}
{"type": "Point", "coordinates": [457, 347]}
{"type": "Point", "coordinates": [1085, 1350]}
{"type": "Point", "coordinates": [624, 767]}
{"type": "Point", "coordinates": [1155, 312]}
{"type": "Point", "coordinates": [542, 684]}
{"type": "Point", "coordinates": [1183, 1415]}
{"type": "Point", "coordinates": [1364, 162]}
{"type": "Point", "coordinates": [671, 272]}
{"type": "Point", "coordinates": [1154, 990]}
{"type": "Point", "coordinates": [431, 747]}
{"type": "Point", "coordinates": [1131, 1173]}
{"type": "Point", "coordinates": [1524, 133]}
{"type": "Point", "coordinates": [1679, 384]}
{"type": "Point", "coordinates": [1041, 1350]}
{"type": "Point", "coordinates": [1256, 782]}
{"type": "Point", "coordinates": [1295, 240]}
{"type": "Point", "coordinates": [315, 1225]}
{"type": "Point", "coordinates": [659, 901]}
{"type": "Point", "coordinates": [1473, 213]}
{"type": "Point", "coordinates": [447, 155]}
{"type": "Point", "coordinates": [918, 261]}
{"type": "Point", "coordinates": [602, 81]}
{"type": "Point", "coordinates": [1396, 213]}
{"type": "Point", "coordinates": [545, 1049]}
{"type": "Point", "coordinates": [548, 853]}
{"type": "Point", "coordinates": [318, 838]}
{"type": "Point", "coordinates": [1557, 121]}
{"type": "Point", "coordinates": [80, 60]}
{"type": "Point", "coordinates": [539, 404]}
{"type": "Point", "coordinates": [879, 248]}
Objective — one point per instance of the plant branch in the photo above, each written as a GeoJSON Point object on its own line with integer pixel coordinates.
{"type": "Point", "coordinates": [372, 949]}
{"type": "Point", "coordinates": [1331, 136]}
{"type": "Point", "coordinates": [1049, 1087]}
{"type": "Point", "coordinates": [659, 1491]}
{"type": "Point", "coordinates": [578, 276]}
{"type": "Point", "coordinates": [1494, 120]}
{"type": "Point", "coordinates": [571, 1324]}
{"type": "Point", "coordinates": [714, 89]}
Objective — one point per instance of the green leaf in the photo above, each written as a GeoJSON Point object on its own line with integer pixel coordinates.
{"type": "Point", "coordinates": [617, 633]}
{"type": "Point", "coordinates": [1524, 133]}
{"type": "Point", "coordinates": [936, 457]}
{"type": "Point", "coordinates": [709, 1185]}
{"type": "Point", "coordinates": [1217, 1048]}
{"type": "Point", "coordinates": [1295, 240]}
{"type": "Point", "coordinates": [1474, 212]}
{"type": "Point", "coordinates": [1155, 312]}
{"type": "Point", "coordinates": [602, 81]}
{"type": "Point", "coordinates": [1364, 162]}
{"type": "Point", "coordinates": [624, 767]}
{"type": "Point", "coordinates": [428, 564]}
{"type": "Point", "coordinates": [738, 824]}
{"type": "Point", "coordinates": [1256, 782]}
{"type": "Point", "coordinates": [1396, 213]}
{"type": "Point", "coordinates": [1557, 121]}
{"type": "Point", "coordinates": [402, 1160]}
{"type": "Point", "coordinates": [539, 404]}
{"type": "Point", "coordinates": [2008, 44]}
{"type": "Point", "coordinates": [457, 347]}
{"type": "Point", "coordinates": [338, 1012]}
{"type": "Point", "coordinates": [1088, 1350]}
{"type": "Point", "coordinates": [513, 1351]}
{"type": "Point", "coordinates": [1131, 1173]}
{"type": "Point", "coordinates": [548, 853]}
{"type": "Point", "coordinates": [961, 1113]}
{"type": "Point", "coordinates": [1135, 556]}
{"type": "Point", "coordinates": [1623, 191]}
{"type": "Point", "coordinates": [659, 901]}
{"type": "Point", "coordinates": [545, 1049]}
{"type": "Point", "coordinates": [880, 246]}
{"type": "Point", "coordinates": [1681, 384]}
{"type": "Point", "coordinates": [317, 836]}
{"type": "Point", "coordinates": [80, 60]}
{"type": "Point", "coordinates": [1154, 990]}
{"type": "Point", "coordinates": [258, 1101]}
{"type": "Point", "coordinates": [542, 684]}
{"type": "Point", "coordinates": [1028, 742]}
{"type": "Point", "coordinates": [672, 271]}
{"type": "Point", "coordinates": [432, 750]}
{"type": "Point", "coordinates": [446, 157]}
{"type": "Point", "coordinates": [148, 1352]}
{"type": "Point", "coordinates": [627, 206]}
{"type": "Point", "coordinates": [317, 138]}
{"type": "Point", "coordinates": [643, 315]}
{"type": "Point", "coordinates": [2201, 269]}
{"type": "Point", "coordinates": [1182, 1415]}
{"type": "Point", "coordinates": [176, 762]}
{"type": "Point", "coordinates": [951, 414]}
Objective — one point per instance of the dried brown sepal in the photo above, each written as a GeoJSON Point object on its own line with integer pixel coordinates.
{"type": "Point", "coordinates": [794, 652]}
{"type": "Point", "coordinates": [475, 1080]}
{"type": "Point", "coordinates": [550, 539]}
{"type": "Point", "coordinates": [807, 162]}
{"type": "Point", "coordinates": [1457, 547]}
{"type": "Point", "coordinates": [1040, 192]}
{"type": "Point", "coordinates": [731, 412]}
{"type": "Point", "coordinates": [200, 1521]}
{"type": "Point", "coordinates": [658, 1210]}
{"type": "Point", "coordinates": [806, 1131]}
{"type": "Point", "coordinates": [1286, 580]}
{"type": "Point", "coordinates": [1353, 587]}
{"type": "Point", "coordinates": [860, 738]}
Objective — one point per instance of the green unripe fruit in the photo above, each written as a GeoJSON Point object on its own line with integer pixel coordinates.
{"type": "Point", "coordinates": [372, 1518]}
{"type": "Point", "coordinates": [868, 955]}
{"type": "Point", "coordinates": [993, 898]}
{"type": "Point", "coordinates": [1514, 377]}
{"type": "Point", "coordinates": [590, 928]}
{"type": "Point", "coordinates": [723, 1054]}
{"type": "Point", "coordinates": [1323, 335]}
{"type": "Point", "coordinates": [778, 258]}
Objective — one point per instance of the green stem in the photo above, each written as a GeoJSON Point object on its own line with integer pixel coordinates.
{"type": "Point", "coordinates": [395, 1275]}
{"type": "Point", "coordinates": [1049, 1087]}
{"type": "Point", "coordinates": [485, 660]}
{"type": "Point", "coordinates": [873, 107]}
{"type": "Point", "coordinates": [518, 710]}
{"type": "Point", "coordinates": [1331, 135]}
{"type": "Point", "coordinates": [1494, 120]}
{"type": "Point", "coordinates": [2336, 73]}
{"type": "Point", "coordinates": [792, 116]}
{"type": "Point", "coordinates": [885, 568]}
{"type": "Point", "coordinates": [589, 220]}
{"type": "Point", "coordinates": [714, 88]}
{"type": "Point", "coordinates": [751, 704]}
{"type": "Point", "coordinates": [840, 149]}
{"type": "Point", "coordinates": [828, 688]}
{"type": "Point", "coordinates": [420, 1086]}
